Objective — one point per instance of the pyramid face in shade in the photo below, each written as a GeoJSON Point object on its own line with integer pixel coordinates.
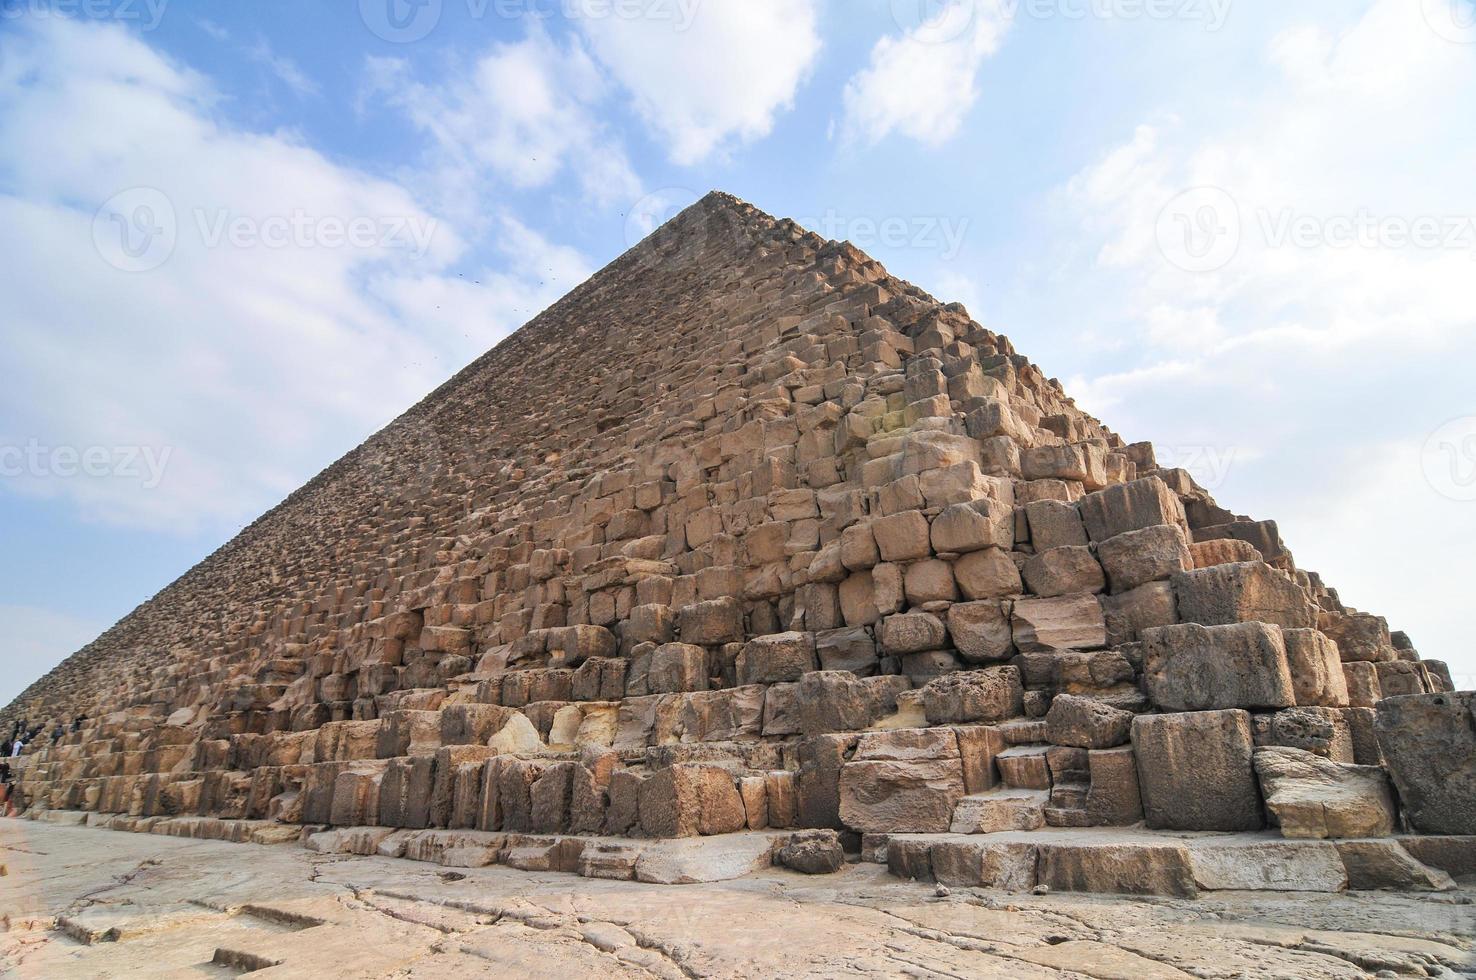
{"type": "Point", "coordinates": [742, 533]}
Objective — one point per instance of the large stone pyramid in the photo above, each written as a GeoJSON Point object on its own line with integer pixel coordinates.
{"type": "Point", "coordinates": [743, 535]}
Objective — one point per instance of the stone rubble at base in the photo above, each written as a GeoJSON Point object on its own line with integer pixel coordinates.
{"type": "Point", "coordinates": [745, 537]}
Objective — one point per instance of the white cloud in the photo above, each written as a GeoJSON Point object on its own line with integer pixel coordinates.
{"type": "Point", "coordinates": [712, 75]}
{"type": "Point", "coordinates": [285, 69]}
{"type": "Point", "coordinates": [922, 82]}
{"type": "Point", "coordinates": [523, 116]}
{"type": "Point", "coordinates": [253, 359]}
{"type": "Point", "coordinates": [36, 640]}
{"type": "Point", "coordinates": [1321, 368]}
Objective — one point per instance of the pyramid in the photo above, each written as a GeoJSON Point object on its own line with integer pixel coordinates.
{"type": "Point", "coordinates": [745, 536]}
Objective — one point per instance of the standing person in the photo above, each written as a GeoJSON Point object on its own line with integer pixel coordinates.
{"type": "Point", "coordinates": [5, 777]}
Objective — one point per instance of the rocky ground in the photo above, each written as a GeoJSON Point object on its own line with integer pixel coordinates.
{"type": "Point", "coordinates": [79, 902]}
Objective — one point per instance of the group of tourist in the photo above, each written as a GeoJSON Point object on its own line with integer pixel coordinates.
{"type": "Point", "coordinates": [22, 734]}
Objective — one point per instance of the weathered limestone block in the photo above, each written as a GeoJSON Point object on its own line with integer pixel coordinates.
{"type": "Point", "coordinates": [472, 724]}
{"type": "Point", "coordinates": [599, 679]}
{"type": "Point", "coordinates": [1317, 672]}
{"type": "Point", "coordinates": [851, 648]}
{"type": "Point", "coordinates": [345, 741]}
{"type": "Point", "coordinates": [817, 781]}
{"type": "Point", "coordinates": [1054, 524]}
{"type": "Point", "coordinates": [405, 792]}
{"type": "Point", "coordinates": [1130, 507]}
{"type": "Point", "coordinates": [905, 781]}
{"type": "Point", "coordinates": [1114, 799]}
{"type": "Point", "coordinates": [858, 599]}
{"type": "Point", "coordinates": [711, 622]}
{"type": "Point", "coordinates": [549, 798]}
{"type": "Point", "coordinates": [1062, 571]}
{"type": "Point", "coordinates": [987, 574]}
{"type": "Point", "coordinates": [839, 701]}
{"type": "Point", "coordinates": [781, 797]}
{"type": "Point", "coordinates": [730, 715]}
{"type": "Point", "coordinates": [1322, 731]}
{"type": "Point", "coordinates": [570, 646]}
{"type": "Point", "coordinates": [677, 667]}
{"type": "Point", "coordinates": [1003, 865]}
{"type": "Point", "coordinates": [1310, 796]}
{"type": "Point", "coordinates": [930, 580]}
{"type": "Point", "coordinates": [1151, 554]}
{"type": "Point", "coordinates": [515, 779]}
{"type": "Point", "coordinates": [1361, 678]}
{"type": "Point", "coordinates": [1398, 677]}
{"type": "Point", "coordinates": [449, 760]}
{"type": "Point", "coordinates": [1242, 593]}
{"type": "Point", "coordinates": [1128, 614]}
{"type": "Point", "coordinates": [777, 658]}
{"type": "Point", "coordinates": [1086, 723]}
{"type": "Point", "coordinates": [688, 799]}
{"type": "Point", "coordinates": [816, 852]}
{"type": "Point", "coordinates": [858, 550]}
{"type": "Point", "coordinates": [979, 746]}
{"type": "Point", "coordinates": [990, 695]}
{"type": "Point", "coordinates": [929, 449]}
{"type": "Point", "coordinates": [1126, 868]}
{"type": "Point", "coordinates": [1071, 622]}
{"type": "Point", "coordinates": [972, 526]}
{"type": "Point", "coordinates": [1375, 864]}
{"type": "Point", "coordinates": [1257, 864]}
{"type": "Point", "coordinates": [649, 623]}
{"type": "Point", "coordinates": [981, 631]}
{"type": "Point", "coordinates": [1084, 463]}
{"type": "Point", "coordinates": [912, 632]}
{"type": "Point", "coordinates": [1360, 637]}
{"type": "Point", "coordinates": [1189, 667]}
{"type": "Point", "coordinates": [408, 733]}
{"type": "Point", "coordinates": [1194, 771]}
{"type": "Point", "coordinates": [1222, 551]}
{"type": "Point", "coordinates": [1429, 748]}
{"type": "Point", "coordinates": [902, 537]}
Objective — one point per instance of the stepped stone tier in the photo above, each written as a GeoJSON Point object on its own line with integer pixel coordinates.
{"type": "Point", "coordinates": [744, 535]}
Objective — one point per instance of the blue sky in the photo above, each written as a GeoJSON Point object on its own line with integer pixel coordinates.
{"type": "Point", "coordinates": [1244, 230]}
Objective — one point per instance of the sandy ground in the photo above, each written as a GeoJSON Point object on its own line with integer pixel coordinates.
{"type": "Point", "coordinates": [80, 902]}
